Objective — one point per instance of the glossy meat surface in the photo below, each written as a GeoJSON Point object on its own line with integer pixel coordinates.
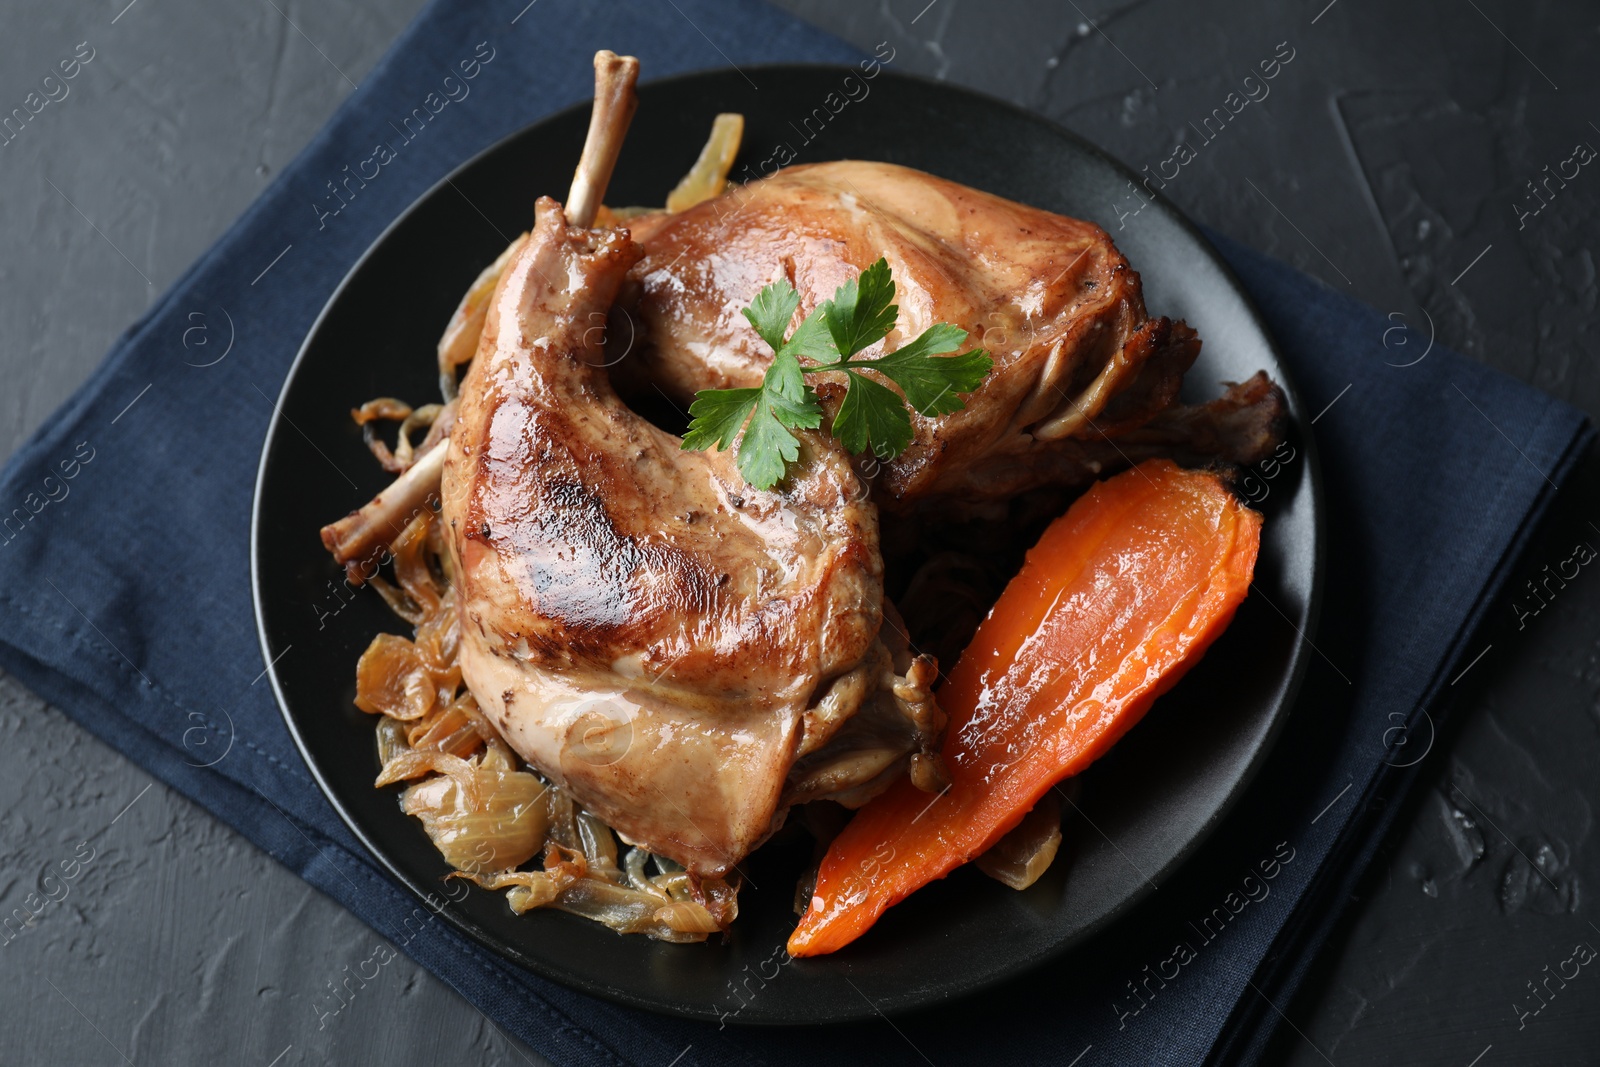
{"type": "Point", "coordinates": [1051, 298]}
{"type": "Point", "coordinates": [640, 624]}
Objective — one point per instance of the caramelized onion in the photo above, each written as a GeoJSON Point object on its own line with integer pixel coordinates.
{"type": "Point", "coordinates": [528, 889]}
{"type": "Point", "coordinates": [383, 407]}
{"type": "Point", "coordinates": [686, 918]}
{"type": "Point", "coordinates": [708, 178]}
{"type": "Point", "coordinates": [391, 740]}
{"type": "Point", "coordinates": [568, 884]}
{"type": "Point", "coordinates": [633, 867]}
{"type": "Point", "coordinates": [599, 847]}
{"type": "Point", "coordinates": [392, 410]}
{"type": "Point", "coordinates": [458, 728]}
{"type": "Point", "coordinates": [628, 911]}
{"type": "Point", "coordinates": [393, 679]}
{"type": "Point", "coordinates": [411, 570]}
{"type": "Point", "coordinates": [411, 764]}
{"type": "Point", "coordinates": [1022, 855]}
{"type": "Point", "coordinates": [497, 825]}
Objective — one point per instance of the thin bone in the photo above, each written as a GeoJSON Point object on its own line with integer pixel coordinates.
{"type": "Point", "coordinates": [359, 537]}
{"type": "Point", "coordinates": [614, 105]}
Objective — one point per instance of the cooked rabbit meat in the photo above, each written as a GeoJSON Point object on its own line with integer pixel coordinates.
{"type": "Point", "coordinates": [1243, 426]}
{"type": "Point", "coordinates": [640, 624]}
{"type": "Point", "coordinates": [1076, 357]}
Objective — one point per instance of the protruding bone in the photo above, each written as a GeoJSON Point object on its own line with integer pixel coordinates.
{"type": "Point", "coordinates": [614, 104]}
{"type": "Point", "coordinates": [360, 535]}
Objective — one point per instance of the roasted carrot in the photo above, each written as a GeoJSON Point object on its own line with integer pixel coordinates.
{"type": "Point", "coordinates": [1118, 599]}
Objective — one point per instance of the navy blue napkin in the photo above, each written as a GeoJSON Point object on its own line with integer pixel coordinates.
{"type": "Point", "coordinates": [124, 572]}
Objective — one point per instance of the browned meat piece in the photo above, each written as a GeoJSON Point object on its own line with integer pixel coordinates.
{"type": "Point", "coordinates": [1077, 359]}
{"type": "Point", "coordinates": [1242, 426]}
{"type": "Point", "coordinates": [638, 623]}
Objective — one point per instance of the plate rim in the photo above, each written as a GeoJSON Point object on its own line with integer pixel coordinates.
{"type": "Point", "coordinates": [1300, 657]}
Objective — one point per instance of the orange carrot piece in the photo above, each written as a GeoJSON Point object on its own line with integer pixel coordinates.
{"type": "Point", "coordinates": [1118, 599]}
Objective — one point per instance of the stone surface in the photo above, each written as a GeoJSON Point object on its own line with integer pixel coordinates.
{"type": "Point", "coordinates": [1390, 160]}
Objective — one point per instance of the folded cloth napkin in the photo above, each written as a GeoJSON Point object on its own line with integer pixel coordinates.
{"type": "Point", "coordinates": [124, 572]}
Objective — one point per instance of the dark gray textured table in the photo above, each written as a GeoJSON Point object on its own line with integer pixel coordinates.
{"type": "Point", "coordinates": [1390, 160]}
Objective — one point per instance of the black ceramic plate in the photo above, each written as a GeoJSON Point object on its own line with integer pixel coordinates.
{"type": "Point", "coordinates": [1144, 808]}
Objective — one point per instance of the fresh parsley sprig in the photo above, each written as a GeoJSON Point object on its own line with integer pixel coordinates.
{"type": "Point", "coordinates": [872, 416]}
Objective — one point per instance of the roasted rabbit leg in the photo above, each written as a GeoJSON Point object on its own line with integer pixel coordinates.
{"type": "Point", "coordinates": [637, 622]}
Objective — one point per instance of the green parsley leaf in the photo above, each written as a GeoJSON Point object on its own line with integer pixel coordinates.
{"type": "Point", "coordinates": [793, 402]}
{"type": "Point", "coordinates": [811, 339]}
{"type": "Point", "coordinates": [861, 313]}
{"type": "Point", "coordinates": [931, 384]}
{"type": "Point", "coordinates": [717, 416]}
{"type": "Point", "coordinates": [759, 423]}
{"type": "Point", "coordinates": [783, 401]}
{"type": "Point", "coordinates": [771, 311]}
{"type": "Point", "coordinates": [767, 448]}
{"type": "Point", "coordinates": [872, 417]}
